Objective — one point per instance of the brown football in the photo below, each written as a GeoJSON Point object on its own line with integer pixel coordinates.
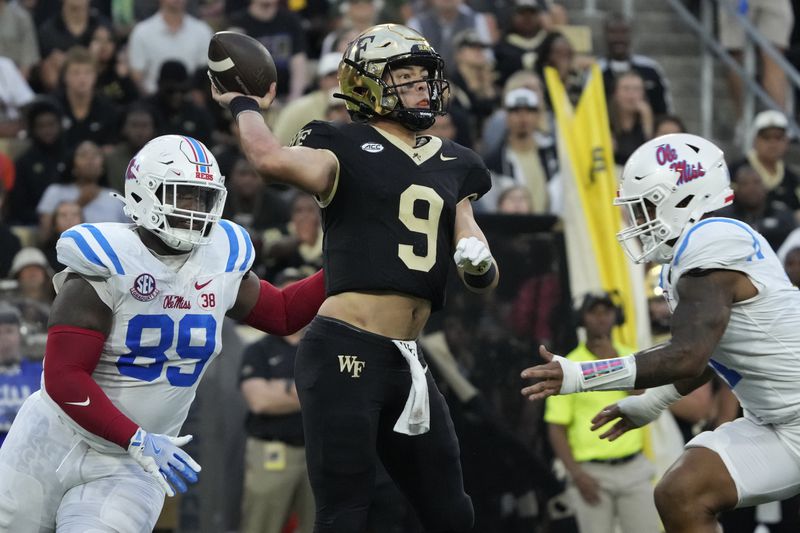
{"type": "Point", "coordinates": [239, 63]}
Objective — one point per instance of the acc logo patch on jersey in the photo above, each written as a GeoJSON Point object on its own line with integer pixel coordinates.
{"type": "Point", "coordinates": [372, 148]}
{"type": "Point", "coordinates": [144, 288]}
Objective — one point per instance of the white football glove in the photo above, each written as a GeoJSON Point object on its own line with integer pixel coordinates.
{"type": "Point", "coordinates": [162, 458]}
{"type": "Point", "coordinates": [473, 256]}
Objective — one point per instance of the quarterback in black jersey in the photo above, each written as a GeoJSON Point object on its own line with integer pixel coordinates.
{"type": "Point", "coordinates": [396, 206]}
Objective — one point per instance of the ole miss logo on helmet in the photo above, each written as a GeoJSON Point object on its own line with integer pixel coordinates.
{"type": "Point", "coordinates": [129, 172]}
{"type": "Point", "coordinates": [666, 154]}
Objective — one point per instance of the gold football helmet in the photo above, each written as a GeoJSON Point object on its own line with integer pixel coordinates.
{"type": "Point", "coordinates": [373, 54]}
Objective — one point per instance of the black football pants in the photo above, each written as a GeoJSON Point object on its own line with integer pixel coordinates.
{"type": "Point", "coordinates": [353, 386]}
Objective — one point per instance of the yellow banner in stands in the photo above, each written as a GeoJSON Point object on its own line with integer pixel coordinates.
{"type": "Point", "coordinates": [589, 176]}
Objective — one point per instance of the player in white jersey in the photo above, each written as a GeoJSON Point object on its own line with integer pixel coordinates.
{"type": "Point", "coordinates": [734, 313]}
{"type": "Point", "coordinates": [137, 319]}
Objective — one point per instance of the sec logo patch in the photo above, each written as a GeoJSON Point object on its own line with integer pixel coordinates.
{"type": "Point", "coordinates": [144, 288]}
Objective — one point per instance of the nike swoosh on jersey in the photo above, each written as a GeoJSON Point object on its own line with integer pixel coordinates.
{"type": "Point", "coordinates": [445, 158]}
{"type": "Point", "coordinates": [199, 286]}
{"type": "Point", "coordinates": [84, 403]}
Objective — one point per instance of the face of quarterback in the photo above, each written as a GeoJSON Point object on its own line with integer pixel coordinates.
{"type": "Point", "coordinates": [412, 85]}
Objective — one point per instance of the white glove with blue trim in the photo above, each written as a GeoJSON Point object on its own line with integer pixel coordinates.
{"type": "Point", "coordinates": [162, 458]}
{"type": "Point", "coordinates": [473, 256]}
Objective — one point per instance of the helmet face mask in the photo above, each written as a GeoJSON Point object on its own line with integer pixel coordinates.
{"type": "Point", "coordinates": [667, 185]}
{"type": "Point", "coordinates": [174, 189]}
{"type": "Point", "coordinates": [368, 85]}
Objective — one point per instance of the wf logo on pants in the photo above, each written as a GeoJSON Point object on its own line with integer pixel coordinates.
{"type": "Point", "coordinates": [351, 365]}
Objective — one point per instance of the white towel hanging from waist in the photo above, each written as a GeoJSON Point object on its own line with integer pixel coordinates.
{"type": "Point", "coordinates": [416, 416]}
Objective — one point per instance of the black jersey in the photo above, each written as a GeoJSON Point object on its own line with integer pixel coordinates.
{"type": "Point", "coordinates": [389, 221]}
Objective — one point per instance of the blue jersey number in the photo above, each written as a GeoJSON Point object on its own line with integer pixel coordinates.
{"type": "Point", "coordinates": [166, 326]}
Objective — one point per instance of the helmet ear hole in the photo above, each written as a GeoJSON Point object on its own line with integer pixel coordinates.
{"type": "Point", "coordinates": [686, 201]}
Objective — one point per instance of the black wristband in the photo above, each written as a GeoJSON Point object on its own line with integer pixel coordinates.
{"type": "Point", "coordinates": [481, 281]}
{"type": "Point", "coordinates": [242, 103]}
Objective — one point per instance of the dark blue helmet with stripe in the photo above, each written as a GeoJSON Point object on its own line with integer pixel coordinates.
{"type": "Point", "coordinates": [173, 187]}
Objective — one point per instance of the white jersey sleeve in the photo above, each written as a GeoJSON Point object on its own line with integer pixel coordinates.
{"type": "Point", "coordinates": [718, 243]}
{"type": "Point", "coordinates": [86, 251]}
{"type": "Point", "coordinates": [758, 355]}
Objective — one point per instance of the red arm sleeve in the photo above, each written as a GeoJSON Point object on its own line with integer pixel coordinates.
{"type": "Point", "coordinates": [284, 311]}
{"type": "Point", "coordinates": [71, 355]}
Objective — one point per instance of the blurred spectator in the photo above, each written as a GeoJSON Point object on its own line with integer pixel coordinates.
{"type": "Point", "coordinates": [174, 107]}
{"type": "Point", "coordinates": [45, 76]}
{"type": "Point", "coordinates": [252, 203]}
{"type": "Point", "coordinates": [620, 59]}
{"type": "Point", "coordinates": [88, 115]}
{"type": "Point", "coordinates": [15, 93]}
{"type": "Point", "coordinates": [72, 25]}
{"type": "Point", "coordinates": [768, 156]}
{"type": "Point", "coordinates": [311, 106]}
{"type": "Point", "coordinates": [792, 265]}
{"type": "Point", "coordinates": [170, 34]}
{"type": "Point", "coordinates": [357, 16]}
{"type": "Point", "coordinates": [33, 275]}
{"type": "Point", "coordinates": [40, 10]}
{"type": "Point", "coordinates": [556, 51]}
{"type": "Point", "coordinates": [526, 156]}
{"type": "Point", "coordinates": [519, 45]}
{"type": "Point", "coordinates": [774, 20]}
{"type": "Point", "coordinates": [8, 174]}
{"type": "Point", "coordinates": [552, 14]}
{"type": "Point", "coordinates": [9, 242]}
{"type": "Point", "coordinates": [276, 479]}
{"type": "Point", "coordinates": [630, 116]}
{"type": "Point", "coordinates": [316, 18]}
{"type": "Point", "coordinates": [665, 124]}
{"type": "Point", "coordinates": [336, 110]}
{"type": "Point", "coordinates": [66, 215]}
{"type": "Point", "coordinates": [299, 242]}
{"type": "Point", "coordinates": [343, 38]}
{"type": "Point", "coordinates": [82, 185]}
{"type": "Point", "coordinates": [113, 72]}
{"type": "Point", "coordinates": [281, 31]}
{"type": "Point", "coordinates": [514, 200]}
{"type": "Point", "coordinates": [751, 204]}
{"type": "Point", "coordinates": [443, 21]}
{"type": "Point", "coordinates": [444, 128]}
{"type": "Point", "coordinates": [138, 127]}
{"type": "Point", "coordinates": [494, 127]}
{"type": "Point", "coordinates": [610, 481]}
{"type": "Point", "coordinates": [19, 376]}
{"type": "Point", "coordinates": [472, 78]}
{"type": "Point", "coordinates": [18, 36]}
{"type": "Point", "coordinates": [41, 164]}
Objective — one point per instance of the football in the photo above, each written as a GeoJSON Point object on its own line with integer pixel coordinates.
{"type": "Point", "coordinates": [239, 63]}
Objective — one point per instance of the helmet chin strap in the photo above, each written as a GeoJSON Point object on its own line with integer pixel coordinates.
{"type": "Point", "coordinates": [414, 120]}
{"type": "Point", "coordinates": [175, 242]}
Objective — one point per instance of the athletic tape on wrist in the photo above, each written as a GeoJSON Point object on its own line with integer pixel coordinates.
{"type": "Point", "coordinates": [646, 407]}
{"type": "Point", "coordinates": [618, 373]}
